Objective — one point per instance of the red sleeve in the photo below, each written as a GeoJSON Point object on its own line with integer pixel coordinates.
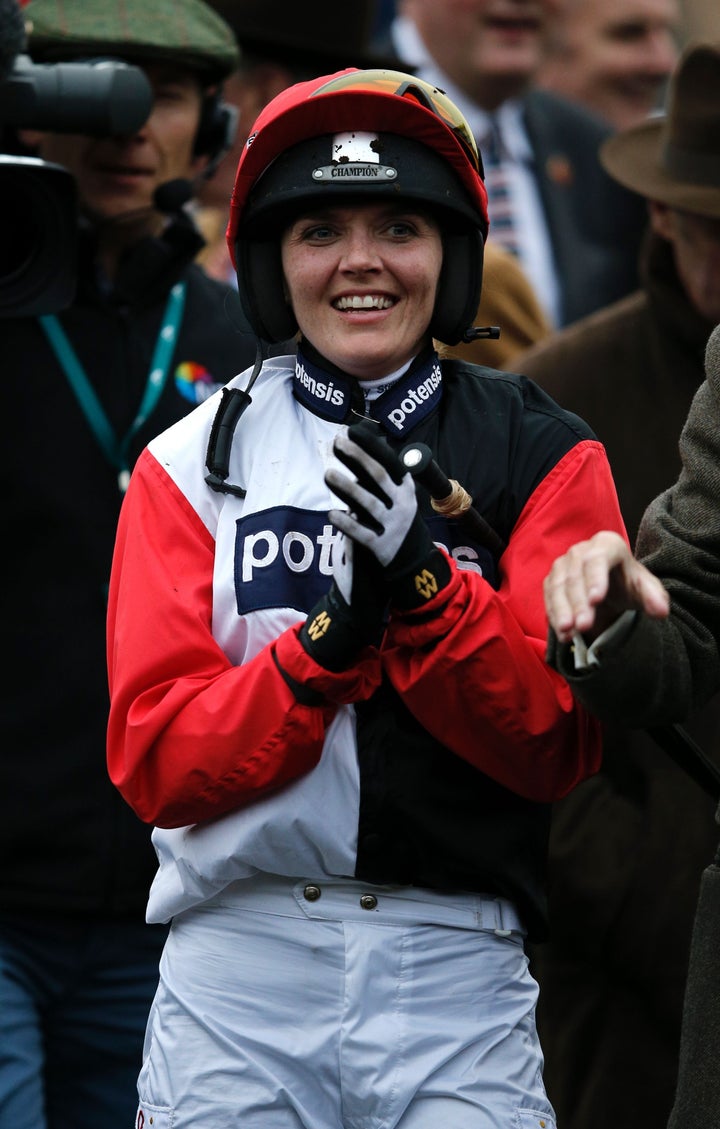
{"type": "Point", "coordinates": [190, 735]}
{"type": "Point", "coordinates": [475, 675]}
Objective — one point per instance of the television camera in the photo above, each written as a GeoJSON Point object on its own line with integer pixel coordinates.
{"type": "Point", "coordinates": [38, 199]}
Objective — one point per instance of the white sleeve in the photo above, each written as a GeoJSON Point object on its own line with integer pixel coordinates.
{"type": "Point", "coordinates": [610, 639]}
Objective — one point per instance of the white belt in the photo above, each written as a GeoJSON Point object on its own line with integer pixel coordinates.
{"type": "Point", "coordinates": [338, 899]}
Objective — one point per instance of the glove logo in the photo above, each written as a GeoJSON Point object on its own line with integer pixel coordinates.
{"type": "Point", "coordinates": [319, 626]}
{"type": "Point", "coordinates": [426, 584]}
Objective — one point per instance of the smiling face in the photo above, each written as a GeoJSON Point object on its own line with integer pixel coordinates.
{"type": "Point", "coordinates": [117, 175]}
{"type": "Point", "coordinates": [614, 56]}
{"type": "Point", "coordinates": [490, 48]}
{"type": "Point", "coordinates": [362, 282]}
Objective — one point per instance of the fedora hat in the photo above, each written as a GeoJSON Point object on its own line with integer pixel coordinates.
{"type": "Point", "coordinates": [313, 37]}
{"type": "Point", "coordinates": [675, 158]}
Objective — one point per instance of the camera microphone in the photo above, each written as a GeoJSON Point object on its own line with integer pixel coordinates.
{"type": "Point", "coordinates": [170, 197]}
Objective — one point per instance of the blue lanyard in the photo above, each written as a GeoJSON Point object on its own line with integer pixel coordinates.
{"type": "Point", "coordinates": [114, 449]}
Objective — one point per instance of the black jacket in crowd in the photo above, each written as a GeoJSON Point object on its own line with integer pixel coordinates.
{"type": "Point", "coordinates": [69, 843]}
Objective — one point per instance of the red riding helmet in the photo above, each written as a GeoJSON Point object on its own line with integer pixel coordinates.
{"type": "Point", "coordinates": [360, 135]}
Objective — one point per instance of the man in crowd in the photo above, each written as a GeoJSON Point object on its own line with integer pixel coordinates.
{"type": "Point", "coordinates": [146, 337]}
{"type": "Point", "coordinates": [575, 231]}
{"type": "Point", "coordinates": [613, 56]}
{"type": "Point", "coordinates": [647, 653]}
{"type": "Point", "coordinates": [628, 848]}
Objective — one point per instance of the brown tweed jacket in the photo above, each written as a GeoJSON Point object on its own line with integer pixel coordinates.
{"type": "Point", "coordinates": [666, 668]}
{"type": "Point", "coordinates": [645, 819]}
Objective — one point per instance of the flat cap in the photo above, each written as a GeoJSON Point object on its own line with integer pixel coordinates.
{"type": "Point", "coordinates": [188, 33]}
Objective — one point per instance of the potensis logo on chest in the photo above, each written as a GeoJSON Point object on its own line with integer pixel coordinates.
{"type": "Point", "coordinates": [283, 559]}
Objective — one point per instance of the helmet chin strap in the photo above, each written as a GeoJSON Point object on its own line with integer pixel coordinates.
{"type": "Point", "coordinates": [233, 403]}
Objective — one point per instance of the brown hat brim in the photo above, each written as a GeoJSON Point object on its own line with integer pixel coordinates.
{"type": "Point", "coordinates": [635, 159]}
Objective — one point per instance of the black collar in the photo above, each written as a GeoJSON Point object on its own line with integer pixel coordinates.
{"type": "Point", "coordinates": [330, 393]}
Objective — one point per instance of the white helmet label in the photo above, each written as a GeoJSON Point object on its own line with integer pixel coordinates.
{"type": "Point", "coordinates": [355, 156]}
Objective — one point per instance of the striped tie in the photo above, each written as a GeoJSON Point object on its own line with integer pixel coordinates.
{"type": "Point", "coordinates": [500, 205]}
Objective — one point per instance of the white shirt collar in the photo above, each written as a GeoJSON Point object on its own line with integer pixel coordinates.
{"type": "Point", "coordinates": [408, 42]}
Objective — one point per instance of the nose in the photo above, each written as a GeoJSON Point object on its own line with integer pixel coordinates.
{"type": "Point", "coordinates": [360, 252]}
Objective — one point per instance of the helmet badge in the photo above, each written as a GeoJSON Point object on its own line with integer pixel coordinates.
{"type": "Point", "coordinates": [355, 157]}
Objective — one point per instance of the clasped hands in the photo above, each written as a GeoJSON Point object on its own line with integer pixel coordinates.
{"type": "Point", "coordinates": [386, 557]}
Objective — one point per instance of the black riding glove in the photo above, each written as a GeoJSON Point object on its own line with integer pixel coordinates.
{"type": "Point", "coordinates": [384, 516]}
{"type": "Point", "coordinates": [351, 614]}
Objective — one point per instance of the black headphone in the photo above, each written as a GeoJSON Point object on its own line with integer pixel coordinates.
{"type": "Point", "coordinates": [214, 138]}
{"type": "Point", "coordinates": [216, 130]}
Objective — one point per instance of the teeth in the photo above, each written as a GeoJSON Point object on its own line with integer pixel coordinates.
{"type": "Point", "coordinates": [363, 302]}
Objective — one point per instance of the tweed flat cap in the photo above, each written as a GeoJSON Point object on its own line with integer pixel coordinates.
{"type": "Point", "coordinates": [186, 32]}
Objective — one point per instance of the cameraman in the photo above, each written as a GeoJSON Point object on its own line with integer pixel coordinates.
{"type": "Point", "coordinates": [147, 336]}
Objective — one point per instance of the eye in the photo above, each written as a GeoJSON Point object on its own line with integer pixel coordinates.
{"type": "Point", "coordinates": [317, 232]}
{"type": "Point", "coordinates": [402, 229]}
{"type": "Point", "coordinates": [170, 93]}
{"type": "Point", "coordinates": [406, 227]}
{"type": "Point", "coordinates": [629, 33]}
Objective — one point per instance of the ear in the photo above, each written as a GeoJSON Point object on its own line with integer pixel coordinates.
{"type": "Point", "coordinates": [661, 220]}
